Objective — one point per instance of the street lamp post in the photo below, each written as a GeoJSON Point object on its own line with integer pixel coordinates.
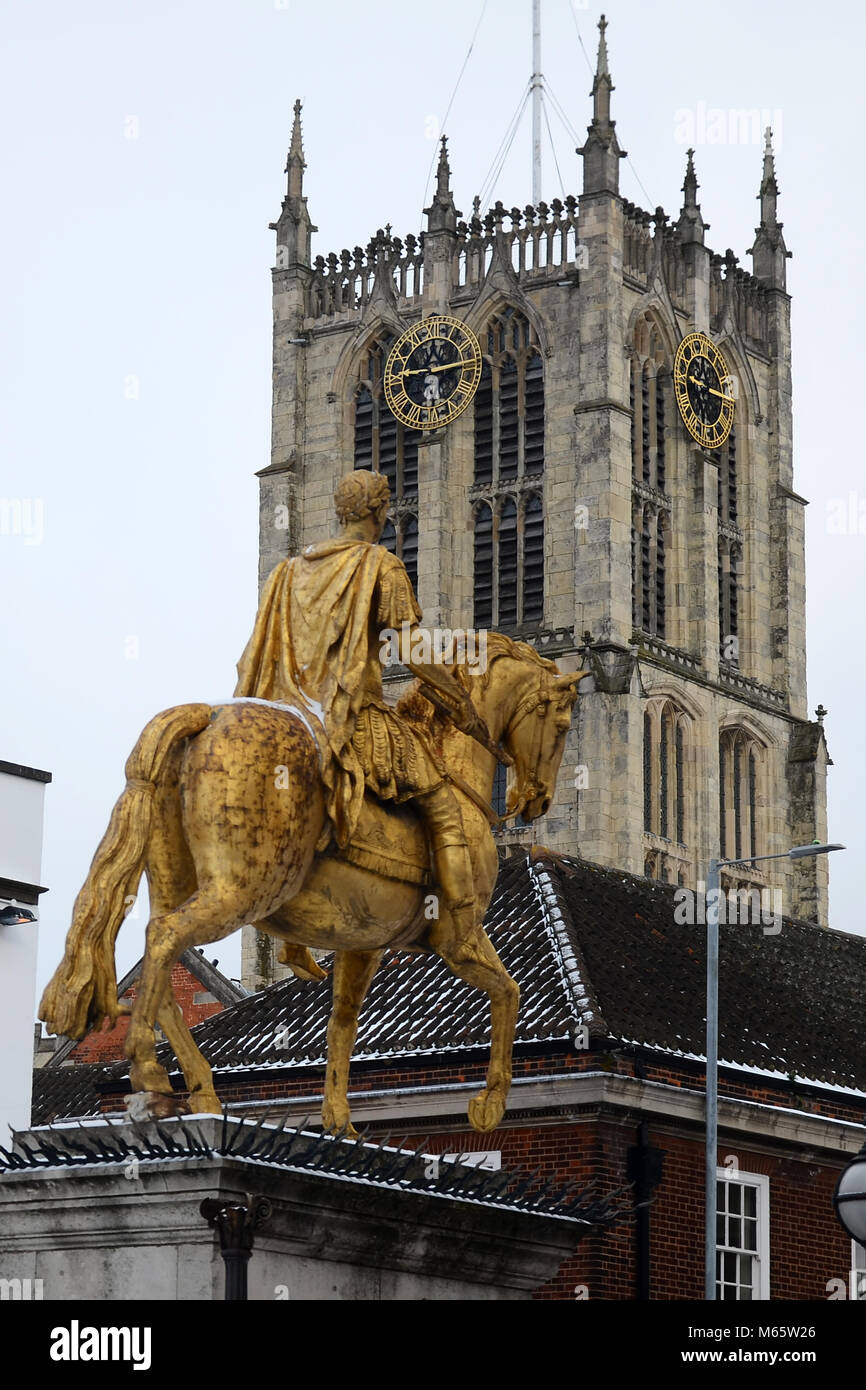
{"type": "Point", "coordinates": [712, 1118]}
{"type": "Point", "coordinates": [849, 1199]}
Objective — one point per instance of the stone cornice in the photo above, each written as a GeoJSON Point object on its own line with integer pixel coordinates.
{"type": "Point", "coordinates": [554, 1099]}
{"type": "Point", "coordinates": [603, 403]}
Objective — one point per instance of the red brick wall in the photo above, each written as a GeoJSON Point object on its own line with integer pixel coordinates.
{"type": "Point", "coordinates": [107, 1046]}
{"type": "Point", "coordinates": [807, 1245]}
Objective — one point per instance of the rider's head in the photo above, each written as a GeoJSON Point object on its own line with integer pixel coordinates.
{"type": "Point", "coordinates": [361, 502]}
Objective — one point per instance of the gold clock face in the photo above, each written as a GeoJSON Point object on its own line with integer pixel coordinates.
{"type": "Point", "coordinates": [704, 390]}
{"type": "Point", "coordinates": [432, 372]}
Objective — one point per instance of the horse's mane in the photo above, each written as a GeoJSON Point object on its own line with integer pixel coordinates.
{"type": "Point", "coordinates": [413, 705]}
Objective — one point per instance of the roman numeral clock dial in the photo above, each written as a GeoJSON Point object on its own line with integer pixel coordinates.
{"type": "Point", "coordinates": [704, 390]}
{"type": "Point", "coordinates": [432, 372]}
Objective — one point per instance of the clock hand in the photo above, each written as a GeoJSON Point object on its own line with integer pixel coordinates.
{"type": "Point", "coordinates": [422, 371]}
{"type": "Point", "coordinates": [721, 394]}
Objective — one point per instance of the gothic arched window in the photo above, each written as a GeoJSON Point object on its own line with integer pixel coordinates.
{"type": "Point", "coordinates": [730, 568]}
{"type": "Point", "coordinates": [508, 453]}
{"type": "Point", "coordinates": [730, 554]}
{"type": "Point", "coordinates": [742, 767]}
{"type": "Point", "coordinates": [650, 397]}
{"type": "Point", "coordinates": [728, 479]}
{"type": "Point", "coordinates": [666, 787]}
{"type": "Point", "coordinates": [650, 533]}
{"type": "Point", "coordinates": [509, 402]}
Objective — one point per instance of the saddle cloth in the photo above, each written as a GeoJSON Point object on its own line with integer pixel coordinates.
{"type": "Point", "coordinates": [389, 838]}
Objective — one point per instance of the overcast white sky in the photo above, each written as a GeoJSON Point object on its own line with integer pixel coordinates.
{"type": "Point", "coordinates": [144, 144]}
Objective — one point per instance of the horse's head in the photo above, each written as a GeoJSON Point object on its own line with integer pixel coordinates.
{"type": "Point", "coordinates": [527, 705]}
{"type": "Point", "coordinates": [535, 738]}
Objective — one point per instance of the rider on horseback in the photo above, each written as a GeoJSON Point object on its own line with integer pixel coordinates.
{"type": "Point", "coordinates": [316, 645]}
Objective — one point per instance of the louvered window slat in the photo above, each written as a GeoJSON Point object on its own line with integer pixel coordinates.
{"type": "Point", "coordinates": [646, 573]}
{"type": "Point", "coordinates": [723, 799]}
{"type": "Point", "coordinates": [409, 548]}
{"type": "Point", "coordinates": [645, 426]}
{"type": "Point", "coordinates": [660, 432]}
{"type": "Point", "coordinates": [389, 537]}
{"type": "Point", "coordinates": [483, 578]}
{"type": "Point", "coordinates": [533, 451]}
{"type": "Point", "coordinates": [661, 600]}
{"type": "Point", "coordinates": [507, 546]}
{"type": "Point", "coordinates": [509, 424]}
{"type": "Point", "coordinates": [508, 420]}
{"type": "Point", "coordinates": [738, 801]}
{"type": "Point", "coordinates": [388, 447]}
{"type": "Point", "coordinates": [484, 427]}
{"type": "Point", "coordinates": [680, 776]}
{"type": "Point", "coordinates": [533, 561]}
{"type": "Point", "coordinates": [411, 439]}
{"type": "Point", "coordinates": [363, 429]}
{"type": "Point", "coordinates": [664, 770]}
{"type": "Point", "coordinates": [647, 772]}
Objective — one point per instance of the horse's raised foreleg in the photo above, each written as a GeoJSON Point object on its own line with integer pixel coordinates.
{"type": "Point", "coordinates": [353, 971]}
{"type": "Point", "coordinates": [487, 1108]}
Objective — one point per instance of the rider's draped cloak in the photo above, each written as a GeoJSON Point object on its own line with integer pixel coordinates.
{"type": "Point", "coordinates": [316, 645]}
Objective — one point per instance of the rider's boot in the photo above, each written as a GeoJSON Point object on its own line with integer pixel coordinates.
{"type": "Point", "coordinates": [301, 961]}
{"type": "Point", "coordinates": [453, 868]}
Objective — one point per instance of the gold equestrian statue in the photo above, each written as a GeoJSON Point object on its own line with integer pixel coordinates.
{"type": "Point", "coordinates": [326, 817]}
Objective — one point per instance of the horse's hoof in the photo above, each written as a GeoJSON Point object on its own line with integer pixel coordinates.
{"type": "Point", "coordinates": [205, 1103]}
{"type": "Point", "coordinates": [154, 1105]}
{"type": "Point", "coordinates": [345, 1130]}
{"type": "Point", "coordinates": [150, 1076]}
{"type": "Point", "coordinates": [486, 1110]}
{"type": "Point", "coordinates": [302, 962]}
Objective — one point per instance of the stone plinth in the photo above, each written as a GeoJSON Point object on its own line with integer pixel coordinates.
{"type": "Point", "coordinates": [110, 1212]}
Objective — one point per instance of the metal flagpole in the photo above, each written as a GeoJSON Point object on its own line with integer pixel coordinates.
{"type": "Point", "coordinates": [535, 86]}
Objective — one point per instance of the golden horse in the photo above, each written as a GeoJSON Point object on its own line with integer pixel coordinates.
{"type": "Point", "coordinates": [223, 809]}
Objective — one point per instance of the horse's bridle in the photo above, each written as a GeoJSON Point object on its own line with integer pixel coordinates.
{"type": "Point", "coordinates": [530, 702]}
{"type": "Point", "coordinates": [535, 700]}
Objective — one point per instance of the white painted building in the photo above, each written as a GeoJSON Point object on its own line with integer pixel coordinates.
{"type": "Point", "coordinates": [22, 791]}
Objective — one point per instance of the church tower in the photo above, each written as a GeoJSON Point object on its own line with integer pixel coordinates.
{"type": "Point", "coordinates": [569, 506]}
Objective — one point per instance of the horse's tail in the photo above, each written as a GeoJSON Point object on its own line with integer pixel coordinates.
{"type": "Point", "coordinates": [83, 989]}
